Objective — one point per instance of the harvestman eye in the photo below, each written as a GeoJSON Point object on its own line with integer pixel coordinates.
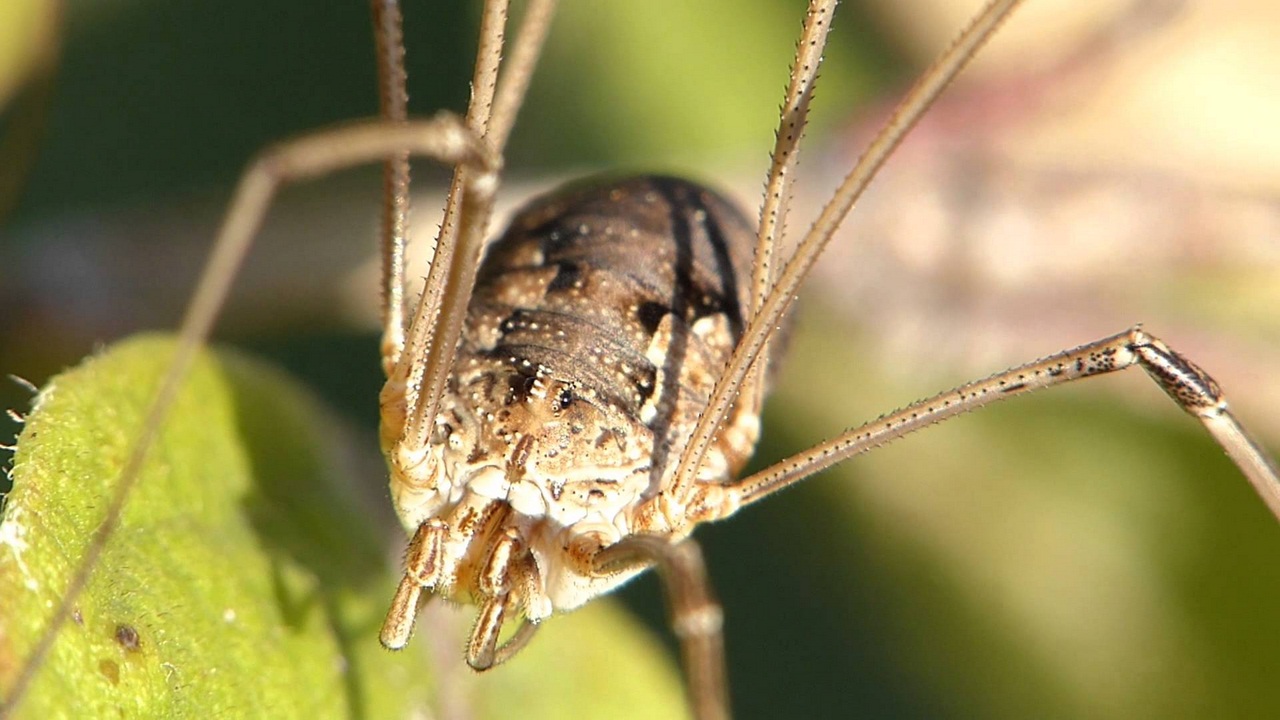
{"type": "Point", "coordinates": [643, 307]}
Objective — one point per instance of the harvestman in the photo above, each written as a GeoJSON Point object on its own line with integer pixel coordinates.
{"type": "Point", "coordinates": [499, 534]}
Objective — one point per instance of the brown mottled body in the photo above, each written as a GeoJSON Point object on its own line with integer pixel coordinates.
{"type": "Point", "coordinates": [599, 325]}
{"type": "Point", "coordinates": [630, 291]}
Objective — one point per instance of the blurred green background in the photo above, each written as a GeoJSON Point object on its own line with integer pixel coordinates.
{"type": "Point", "coordinates": [1084, 554]}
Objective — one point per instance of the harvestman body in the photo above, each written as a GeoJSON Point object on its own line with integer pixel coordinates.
{"type": "Point", "coordinates": [571, 421]}
{"type": "Point", "coordinates": [589, 351]}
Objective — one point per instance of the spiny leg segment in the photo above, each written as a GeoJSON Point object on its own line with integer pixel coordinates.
{"type": "Point", "coordinates": [768, 316]}
{"type": "Point", "coordinates": [418, 378]}
{"type": "Point", "coordinates": [419, 370]}
{"type": "Point", "coordinates": [1192, 388]}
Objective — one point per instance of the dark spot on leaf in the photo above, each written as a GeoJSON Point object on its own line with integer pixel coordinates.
{"type": "Point", "coordinates": [127, 637]}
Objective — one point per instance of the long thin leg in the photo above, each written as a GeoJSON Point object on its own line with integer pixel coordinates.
{"type": "Point", "coordinates": [1189, 386]}
{"type": "Point", "coordinates": [518, 70]}
{"type": "Point", "coordinates": [443, 139]}
{"type": "Point", "coordinates": [696, 616]}
{"type": "Point", "coordinates": [393, 106]}
{"type": "Point", "coordinates": [437, 323]}
{"type": "Point", "coordinates": [673, 500]}
{"type": "Point", "coordinates": [793, 119]}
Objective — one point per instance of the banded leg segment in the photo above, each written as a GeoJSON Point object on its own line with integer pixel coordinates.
{"type": "Point", "coordinates": [422, 573]}
{"type": "Point", "coordinates": [696, 616]}
{"type": "Point", "coordinates": [1192, 388]}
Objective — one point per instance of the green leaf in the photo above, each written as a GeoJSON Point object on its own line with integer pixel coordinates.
{"type": "Point", "coordinates": [246, 579]}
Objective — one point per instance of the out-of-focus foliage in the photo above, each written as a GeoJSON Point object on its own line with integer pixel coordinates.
{"type": "Point", "coordinates": [28, 33]}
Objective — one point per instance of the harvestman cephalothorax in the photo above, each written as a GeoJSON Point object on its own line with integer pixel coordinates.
{"type": "Point", "coordinates": [606, 390]}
